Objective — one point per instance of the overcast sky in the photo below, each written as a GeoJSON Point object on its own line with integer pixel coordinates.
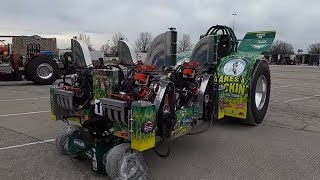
{"type": "Point", "coordinates": [295, 21]}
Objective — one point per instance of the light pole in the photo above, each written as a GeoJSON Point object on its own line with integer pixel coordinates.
{"type": "Point", "coordinates": [234, 16]}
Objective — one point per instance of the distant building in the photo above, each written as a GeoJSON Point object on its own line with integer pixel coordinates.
{"type": "Point", "coordinates": [296, 58]}
{"type": "Point", "coordinates": [20, 43]}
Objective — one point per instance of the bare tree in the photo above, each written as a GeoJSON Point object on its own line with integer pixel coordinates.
{"type": "Point", "coordinates": [314, 48]}
{"type": "Point", "coordinates": [86, 38]}
{"type": "Point", "coordinates": [115, 38]}
{"type": "Point", "coordinates": [114, 49]}
{"type": "Point", "coordinates": [185, 43]}
{"type": "Point", "coordinates": [281, 47]}
{"type": "Point", "coordinates": [143, 42]}
{"type": "Point", "coordinates": [105, 48]}
{"type": "Point", "coordinates": [118, 36]}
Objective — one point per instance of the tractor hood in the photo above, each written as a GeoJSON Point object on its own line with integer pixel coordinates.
{"type": "Point", "coordinates": [80, 53]}
{"type": "Point", "coordinates": [199, 53]}
{"type": "Point", "coordinates": [257, 42]}
{"type": "Point", "coordinates": [162, 51]}
{"type": "Point", "coordinates": [203, 52]}
{"type": "Point", "coordinates": [126, 53]}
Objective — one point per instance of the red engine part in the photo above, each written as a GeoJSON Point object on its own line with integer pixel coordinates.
{"type": "Point", "coordinates": [143, 92]}
{"type": "Point", "coordinates": [123, 97]}
{"type": "Point", "coordinates": [190, 64]}
{"type": "Point", "coordinates": [141, 78]}
{"type": "Point", "coordinates": [145, 68]}
{"type": "Point", "coordinates": [70, 88]}
{"type": "Point", "coordinates": [195, 91]}
{"type": "Point", "coordinates": [188, 72]}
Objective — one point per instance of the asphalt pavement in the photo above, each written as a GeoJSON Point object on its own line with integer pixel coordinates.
{"type": "Point", "coordinates": [285, 146]}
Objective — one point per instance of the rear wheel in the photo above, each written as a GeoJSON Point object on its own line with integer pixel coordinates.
{"type": "Point", "coordinates": [43, 71]}
{"type": "Point", "coordinates": [208, 100]}
{"type": "Point", "coordinates": [259, 94]}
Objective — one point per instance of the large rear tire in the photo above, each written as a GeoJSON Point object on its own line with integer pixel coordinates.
{"type": "Point", "coordinates": [43, 71]}
{"type": "Point", "coordinates": [259, 93]}
{"type": "Point", "coordinates": [208, 100]}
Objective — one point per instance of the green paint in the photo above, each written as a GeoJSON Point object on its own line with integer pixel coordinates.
{"type": "Point", "coordinates": [257, 42]}
{"type": "Point", "coordinates": [184, 120]}
{"type": "Point", "coordinates": [183, 56]}
{"type": "Point", "coordinates": [104, 82]}
{"type": "Point", "coordinates": [120, 130]}
{"type": "Point", "coordinates": [144, 123]}
{"type": "Point", "coordinates": [236, 88]}
{"type": "Point", "coordinates": [94, 151]}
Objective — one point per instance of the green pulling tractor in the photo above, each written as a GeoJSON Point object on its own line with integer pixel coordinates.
{"type": "Point", "coordinates": [117, 110]}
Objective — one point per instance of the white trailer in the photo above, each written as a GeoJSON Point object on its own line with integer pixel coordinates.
{"type": "Point", "coordinates": [95, 55]}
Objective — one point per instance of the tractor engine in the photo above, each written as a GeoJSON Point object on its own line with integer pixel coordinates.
{"type": "Point", "coordinates": [141, 103]}
{"type": "Point", "coordinates": [187, 79]}
{"type": "Point", "coordinates": [137, 85]}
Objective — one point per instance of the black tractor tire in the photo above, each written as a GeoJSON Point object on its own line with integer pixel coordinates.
{"type": "Point", "coordinates": [121, 162]}
{"type": "Point", "coordinates": [62, 139]}
{"type": "Point", "coordinates": [46, 62]}
{"type": "Point", "coordinates": [284, 62]}
{"type": "Point", "coordinates": [208, 110]}
{"type": "Point", "coordinates": [255, 115]}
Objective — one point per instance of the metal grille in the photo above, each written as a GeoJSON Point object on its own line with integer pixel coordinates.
{"type": "Point", "coordinates": [65, 99]}
{"type": "Point", "coordinates": [115, 110]}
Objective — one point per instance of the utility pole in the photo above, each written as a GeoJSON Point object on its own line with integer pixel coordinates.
{"type": "Point", "coordinates": [234, 16]}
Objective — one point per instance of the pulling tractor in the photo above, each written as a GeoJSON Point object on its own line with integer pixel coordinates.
{"type": "Point", "coordinates": [117, 110]}
{"type": "Point", "coordinates": [38, 66]}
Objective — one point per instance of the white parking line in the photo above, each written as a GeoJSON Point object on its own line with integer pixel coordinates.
{"type": "Point", "coordinates": [318, 95]}
{"type": "Point", "coordinates": [24, 91]}
{"type": "Point", "coordinates": [28, 144]}
{"type": "Point", "coordinates": [26, 113]}
{"type": "Point", "coordinates": [25, 99]}
{"type": "Point", "coordinates": [289, 85]}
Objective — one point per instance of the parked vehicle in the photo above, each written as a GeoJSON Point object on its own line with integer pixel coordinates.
{"type": "Point", "coordinates": [117, 110]}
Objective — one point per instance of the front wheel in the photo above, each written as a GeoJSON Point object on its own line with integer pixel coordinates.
{"type": "Point", "coordinates": [259, 94]}
{"type": "Point", "coordinates": [121, 162]}
{"type": "Point", "coordinates": [66, 143]}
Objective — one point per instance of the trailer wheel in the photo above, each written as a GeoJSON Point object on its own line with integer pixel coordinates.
{"type": "Point", "coordinates": [43, 71]}
{"type": "Point", "coordinates": [259, 94]}
{"type": "Point", "coordinates": [121, 162]}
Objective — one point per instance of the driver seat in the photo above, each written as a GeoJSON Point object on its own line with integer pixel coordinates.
{"type": "Point", "coordinates": [223, 46]}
